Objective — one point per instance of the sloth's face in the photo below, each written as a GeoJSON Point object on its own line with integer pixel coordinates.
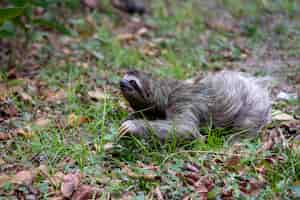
{"type": "Point", "coordinates": [135, 88]}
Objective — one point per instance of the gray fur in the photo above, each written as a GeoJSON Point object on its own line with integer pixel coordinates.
{"type": "Point", "coordinates": [227, 99]}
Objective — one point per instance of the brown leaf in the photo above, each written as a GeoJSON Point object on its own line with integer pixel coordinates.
{"type": "Point", "coordinates": [232, 161]}
{"type": "Point", "coordinates": [3, 92]}
{"type": "Point", "coordinates": [75, 120]}
{"type": "Point", "coordinates": [225, 23]}
{"type": "Point", "coordinates": [148, 167]}
{"type": "Point", "coordinates": [42, 122]}
{"type": "Point", "coordinates": [280, 116]}
{"type": "Point", "coordinates": [55, 96]}
{"type": "Point", "coordinates": [251, 187]}
{"type": "Point", "coordinates": [192, 176]}
{"type": "Point", "coordinates": [98, 94]}
{"type": "Point", "coordinates": [57, 179]}
{"type": "Point", "coordinates": [90, 3]}
{"type": "Point", "coordinates": [70, 184]}
{"type": "Point", "coordinates": [25, 97]}
{"type": "Point", "coordinates": [15, 133]}
{"type": "Point", "coordinates": [8, 110]}
{"type": "Point", "coordinates": [6, 136]}
{"type": "Point", "coordinates": [148, 176]}
{"type": "Point", "coordinates": [292, 127]}
{"type": "Point", "coordinates": [86, 192]}
{"type": "Point", "coordinates": [24, 177]}
{"type": "Point", "coordinates": [108, 146]}
{"type": "Point", "coordinates": [2, 162]}
{"type": "Point", "coordinates": [192, 167]}
{"type": "Point", "coordinates": [24, 132]}
{"type": "Point", "coordinates": [4, 179]}
{"type": "Point", "coordinates": [158, 194]}
{"type": "Point", "coordinates": [126, 37]}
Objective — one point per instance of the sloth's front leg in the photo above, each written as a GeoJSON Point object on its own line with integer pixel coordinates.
{"type": "Point", "coordinates": [163, 129]}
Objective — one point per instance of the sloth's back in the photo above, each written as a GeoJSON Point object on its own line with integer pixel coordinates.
{"type": "Point", "coordinates": [235, 99]}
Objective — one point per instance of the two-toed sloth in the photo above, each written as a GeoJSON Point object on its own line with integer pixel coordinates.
{"type": "Point", "coordinates": [178, 107]}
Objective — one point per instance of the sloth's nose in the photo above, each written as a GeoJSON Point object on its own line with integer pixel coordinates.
{"type": "Point", "coordinates": [124, 83]}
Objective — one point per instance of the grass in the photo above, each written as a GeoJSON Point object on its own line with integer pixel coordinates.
{"type": "Point", "coordinates": [82, 146]}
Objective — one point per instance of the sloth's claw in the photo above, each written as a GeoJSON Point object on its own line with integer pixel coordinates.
{"type": "Point", "coordinates": [123, 130]}
{"type": "Point", "coordinates": [127, 127]}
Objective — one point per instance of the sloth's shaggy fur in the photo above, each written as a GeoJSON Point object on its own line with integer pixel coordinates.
{"type": "Point", "coordinates": [226, 99]}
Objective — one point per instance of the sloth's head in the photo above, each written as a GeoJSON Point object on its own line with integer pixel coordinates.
{"type": "Point", "coordinates": [135, 87]}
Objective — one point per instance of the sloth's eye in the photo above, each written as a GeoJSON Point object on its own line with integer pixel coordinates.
{"type": "Point", "coordinates": [136, 87]}
{"type": "Point", "coordinates": [133, 84]}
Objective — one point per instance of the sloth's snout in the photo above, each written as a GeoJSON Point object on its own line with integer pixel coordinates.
{"type": "Point", "coordinates": [125, 85]}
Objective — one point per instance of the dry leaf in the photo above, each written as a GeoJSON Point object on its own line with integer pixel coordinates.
{"type": "Point", "coordinates": [90, 3]}
{"type": "Point", "coordinates": [98, 94]}
{"type": "Point", "coordinates": [126, 37]}
{"type": "Point", "coordinates": [280, 116]}
{"type": "Point", "coordinates": [25, 97]}
{"type": "Point", "coordinates": [56, 96]}
{"type": "Point", "coordinates": [24, 132]}
{"type": "Point", "coordinates": [24, 177]}
{"type": "Point", "coordinates": [2, 162]}
{"type": "Point", "coordinates": [74, 120]}
{"type": "Point", "coordinates": [148, 176]}
{"type": "Point", "coordinates": [57, 179]}
{"type": "Point", "coordinates": [4, 179]}
{"type": "Point", "coordinates": [70, 184]}
{"type": "Point", "coordinates": [15, 133]}
{"type": "Point", "coordinates": [108, 146]}
{"type": "Point", "coordinates": [158, 194]}
{"type": "Point", "coordinates": [5, 136]}
{"type": "Point", "coordinates": [232, 161]}
{"type": "Point", "coordinates": [192, 167]}
{"type": "Point", "coordinates": [42, 122]}
{"type": "Point", "coordinates": [86, 192]}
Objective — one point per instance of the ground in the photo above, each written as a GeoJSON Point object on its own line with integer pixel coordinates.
{"type": "Point", "coordinates": [60, 105]}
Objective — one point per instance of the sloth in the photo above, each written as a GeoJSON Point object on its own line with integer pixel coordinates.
{"type": "Point", "coordinates": [180, 107]}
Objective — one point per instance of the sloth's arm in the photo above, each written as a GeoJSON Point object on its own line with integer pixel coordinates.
{"type": "Point", "coordinates": [163, 129]}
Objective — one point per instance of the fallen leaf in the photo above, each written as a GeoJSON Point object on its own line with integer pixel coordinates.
{"type": "Point", "coordinates": [251, 187]}
{"type": "Point", "coordinates": [57, 179]}
{"type": "Point", "coordinates": [24, 177]}
{"type": "Point", "coordinates": [56, 198]}
{"type": "Point", "coordinates": [25, 97]}
{"type": "Point", "coordinates": [75, 120]}
{"type": "Point", "coordinates": [4, 179]}
{"type": "Point", "coordinates": [42, 122]}
{"type": "Point", "coordinates": [3, 91]}
{"type": "Point", "coordinates": [90, 3]}
{"type": "Point", "coordinates": [70, 184]}
{"type": "Point", "coordinates": [2, 162]}
{"type": "Point", "coordinates": [6, 136]}
{"type": "Point", "coordinates": [98, 94]}
{"type": "Point", "coordinates": [126, 37]}
{"type": "Point", "coordinates": [232, 161]}
{"type": "Point", "coordinates": [24, 132]}
{"type": "Point", "coordinates": [55, 97]}
{"type": "Point", "coordinates": [8, 110]}
{"type": "Point", "coordinates": [192, 167]}
{"type": "Point", "coordinates": [148, 176]}
{"type": "Point", "coordinates": [148, 167]}
{"type": "Point", "coordinates": [280, 116]}
{"type": "Point", "coordinates": [108, 146]}
{"type": "Point", "coordinates": [86, 192]}
{"type": "Point", "coordinates": [158, 194]}
{"type": "Point", "coordinates": [226, 24]}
